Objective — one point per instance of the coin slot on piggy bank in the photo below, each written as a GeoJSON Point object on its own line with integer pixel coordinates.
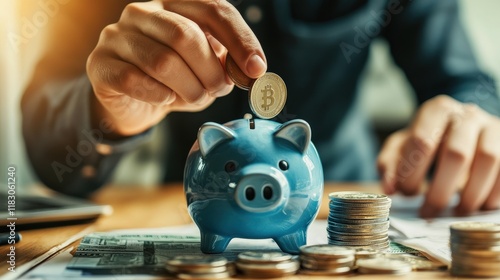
{"type": "Point", "coordinates": [260, 181]}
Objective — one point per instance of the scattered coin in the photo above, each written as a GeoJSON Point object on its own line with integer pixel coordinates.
{"type": "Point", "coordinates": [326, 251]}
{"type": "Point", "coordinates": [475, 249]}
{"type": "Point", "coordinates": [266, 264]}
{"type": "Point", "coordinates": [263, 257]}
{"type": "Point", "coordinates": [326, 259]}
{"type": "Point", "coordinates": [365, 253]}
{"type": "Point", "coordinates": [199, 267]}
{"type": "Point", "coordinates": [381, 265]}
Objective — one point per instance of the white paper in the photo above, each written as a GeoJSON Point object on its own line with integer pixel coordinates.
{"type": "Point", "coordinates": [430, 236]}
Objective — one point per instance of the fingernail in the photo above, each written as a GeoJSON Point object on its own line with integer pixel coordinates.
{"type": "Point", "coordinates": [255, 66]}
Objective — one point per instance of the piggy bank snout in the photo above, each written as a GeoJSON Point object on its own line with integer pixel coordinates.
{"type": "Point", "coordinates": [261, 189]}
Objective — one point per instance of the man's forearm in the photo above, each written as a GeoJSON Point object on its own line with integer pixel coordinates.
{"type": "Point", "coordinates": [68, 154]}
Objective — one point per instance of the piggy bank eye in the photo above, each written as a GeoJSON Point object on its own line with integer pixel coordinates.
{"type": "Point", "coordinates": [230, 166]}
{"type": "Point", "coordinates": [283, 164]}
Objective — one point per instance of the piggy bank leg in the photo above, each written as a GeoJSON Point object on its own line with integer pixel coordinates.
{"type": "Point", "coordinates": [213, 243]}
{"type": "Point", "coordinates": [291, 243]}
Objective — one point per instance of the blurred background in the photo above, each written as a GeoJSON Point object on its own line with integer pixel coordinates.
{"type": "Point", "coordinates": [386, 94]}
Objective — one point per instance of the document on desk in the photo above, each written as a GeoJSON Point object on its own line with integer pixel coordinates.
{"type": "Point", "coordinates": [429, 236]}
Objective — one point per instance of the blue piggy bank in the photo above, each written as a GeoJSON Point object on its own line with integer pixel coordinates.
{"type": "Point", "coordinates": [253, 179]}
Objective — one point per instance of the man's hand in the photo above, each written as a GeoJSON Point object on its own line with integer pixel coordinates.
{"type": "Point", "coordinates": [168, 56]}
{"type": "Point", "coordinates": [463, 140]}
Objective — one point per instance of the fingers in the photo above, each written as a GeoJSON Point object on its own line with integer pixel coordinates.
{"type": "Point", "coordinates": [158, 61]}
{"type": "Point", "coordinates": [464, 139]}
{"type": "Point", "coordinates": [493, 200]}
{"type": "Point", "coordinates": [225, 23]}
{"type": "Point", "coordinates": [422, 143]}
{"type": "Point", "coordinates": [116, 77]}
{"type": "Point", "coordinates": [185, 38]}
{"type": "Point", "coordinates": [454, 160]}
{"type": "Point", "coordinates": [481, 187]}
{"type": "Point", "coordinates": [388, 159]}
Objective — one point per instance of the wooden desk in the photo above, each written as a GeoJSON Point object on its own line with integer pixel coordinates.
{"type": "Point", "coordinates": [138, 207]}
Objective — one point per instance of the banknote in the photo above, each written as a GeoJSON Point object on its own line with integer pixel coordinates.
{"type": "Point", "coordinates": [112, 253]}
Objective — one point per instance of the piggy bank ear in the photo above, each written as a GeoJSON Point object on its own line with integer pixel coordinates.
{"type": "Point", "coordinates": [212, 134]}
{"type": "Point", "coordinates": [296, 132]}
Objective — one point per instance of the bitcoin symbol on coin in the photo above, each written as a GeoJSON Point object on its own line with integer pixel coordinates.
{"type": "Point", "coordinates": [267, 96]}
{"type": "Point", "coordinates": [268, 93]}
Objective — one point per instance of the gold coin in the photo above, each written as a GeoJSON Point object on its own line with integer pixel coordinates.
{"type": "Point", "coordinates": [267, 96]}
{"type": "Point", "coordinates": [236, 75]}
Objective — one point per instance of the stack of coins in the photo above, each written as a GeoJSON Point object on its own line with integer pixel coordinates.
{"type": "Point", "coordinates": [199, 267]}
{"type": "Point", "coordinates": [266, 95]}
{"type": "Point", "coordinates": [382, 265]}
{"type": "Point", "coordinates": [365, 253]}
{"type": "Point", "coordinates": [475, 249]}
{"type": "Point", "coordinates": [326, 259]}
{"type": "Point", "coordinates": [359, 219]}
{"type": "Point", "coordinates": [266, 264]}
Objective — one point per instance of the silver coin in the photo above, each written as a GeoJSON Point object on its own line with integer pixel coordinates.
{"type": "Point", "coordinates": [475, 241]}
{"type": "Point", "coordinates": [366, 253]}
{"type": "Point", "coordinates": [362, 238]}
{"type": "Point", "coordinates": [360, 203]}
{"type": "Point", "coordinates": [356, 205]}
{"type": "Point", "coordinates": [339, 226]}
{"type": "Point", "coordinates": [475, 227]}
{"type": "Point", "coordinates": [338, 242]}
{"type": "Point", "coordinates": [200, 276]}
{"type": "Point", "coordinates": [381, 246]}
{"type": "Point", "coordinates": [196, 261]}
{"type": "Point", "coordinates": [361, 211]}
{"type": "Point", "coordinates": [355, 221]}
{"type": "Point", "coordinates": [355, 232]}
{"type": "Point", "coordinates": [194, 269]}
{"type": "Point", "coordinates": [477, 235]}
{"type": "Point", "coordinates": [358, 196]}
{"type": "Point", "coordinates": [475, 253]}
{"type": "Point", "coordinates": [268, 274]}
{"type": "Point", "coordinates": [285, 266]}
{"type": "Point", "coordinates": [263, 257]}
{"type": "Point", "coordinates": [267, 96]}
{"type": "Point", "coordinates": [326, 250]}
{"type": "Point", "coordinates": [359, 217]}
{"type": "Point", "coordinates": [327, 264]}
{"type": "Point", "coordinates": [334, 271]}
{"type": "Point", "coordinates": [322, 260]}
{"type": "Point", "coordinates": [383, 265]}
{"type": "Point", "coordinates": [472, 270]}
{"type": "Point", "coordinates": [475, 247]}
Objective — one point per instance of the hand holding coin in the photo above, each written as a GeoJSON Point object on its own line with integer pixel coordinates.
{"type": "Point", "coordinates": [266, 95]}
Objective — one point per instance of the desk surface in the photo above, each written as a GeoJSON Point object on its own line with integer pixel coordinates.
{"type": "Point", "coordinates": [138, 207]}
